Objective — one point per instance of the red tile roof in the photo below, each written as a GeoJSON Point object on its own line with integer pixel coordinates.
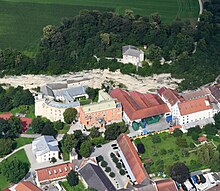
{"type": "Point", "coordinates": [6, 189]}
{"type": "Point", "coordinates": [54, 172]}
{"type": "Point", "coordinates": [25, 122]}
{"type": "Point", "coordinates": [171, 95]}
{"type": "Point", "coordinates": [193, 106]}
{"type": "Point", "coordinates": [6, 116]}
{"type": "Point", "coordinates": [166, 185]}
{"type": "Point", "coordinates": [132, 158]}
{"type": "Point", "coordinates": [202, 139]}
{"type": "Point", "coordinates": [138, 106]}
{"type": "Point", "coordinates": [171, 129]}
{"type": "Point", "coordinates": [26, 186]}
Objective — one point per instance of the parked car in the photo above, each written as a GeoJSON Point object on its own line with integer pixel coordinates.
{"type": "Point", "coordinates": [202, 178]}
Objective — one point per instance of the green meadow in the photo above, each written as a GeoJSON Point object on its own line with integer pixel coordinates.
{"type": "Point", "coordinates": [22, 21]}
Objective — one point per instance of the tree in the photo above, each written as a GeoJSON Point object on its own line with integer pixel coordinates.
{"type": "Point", "coordinates": [107, 169]}
{"type": "Point", "coordinates": [93, 93]}
{"type": "Point", "coordinates": [53, 160]}
{"type": "Point", "coordinates": [86, 149]}
{"type": "Point", "coordinates": [6, 146]}
{"type": "Point", "coordinates": [122, 172]}
{"type": "Point", "coordinates": [163, 151]}
{"type": "Point", "coordinates": [104, 164]}
{"type": "Point", "coordinates": [210, 129]}
{"type": "Point", "coordinates": [94, 132]}
{"type": "Point", "coordinates": [99, 158]}
{"type": "Point", "coordinates": [177, 133]}
{"type": "Point", "coordinates": [179, 172]}
{"type": "Point", "coordinates": [58, 125]}
{"type": "Point", "coordinates": [69, 142]}
{"type": "Point", "coordinates": [114, 130]}
{"type": "Point", "coordinates": [72, 178]}
{"type": "Point", "coordinates": [217, 120]}
{"type": "Point", "coordinates": [69, 115]}
{"type": "Point", "coordinates": [156, 139]}
{"type": "Point", "coordinates": [112, 174]}
{"type": "Point", "coordinates": [195, 136]}
{"type": "Point", "coordinates": [140, 148]}
{"type": "Point", "coordinates": [181, 142]}
{"type": "Point", "coordinates": [14, 170]}
{"type": "Point", "coordinates": [37, 125]}
{"type": "Point", "coordinates": [48, 129]}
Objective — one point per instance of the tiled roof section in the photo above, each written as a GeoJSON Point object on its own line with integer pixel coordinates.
{"type": "Point", "coordinates": [202, 139]}
{"type": "Point", "coordinates": [193, 106]}
{"type": "Point", "coordinates": [96, 178]}
{"type": "Point", "coordinates": [132, 158]}
{"type": "Point", "coordinates": [196, 94]}
{"type": "Point", "coordinates": [215, 91]}
{"type": "Point", "coordinates": [26, 186]}
{"type": "Point", "coordinates": [138, 106]}
{"type": "Point", "coordinates": [171, 129]}
{"type": "Point", "coordinates": [171, 95]}
{"type": "Point", "coordinates": [54, 172]}
{"type": "Point", "coordinates": [6, 189]}
{"type": "Point", "coordinates": [6, 116]}
{"type": "Point", "coordinates": [166, 185]}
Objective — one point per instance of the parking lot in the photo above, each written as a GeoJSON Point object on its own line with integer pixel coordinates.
{"type": "Point", "coordinates": [118, 181]}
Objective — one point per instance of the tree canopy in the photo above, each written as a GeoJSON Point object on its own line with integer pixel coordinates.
{"type": "Point", "coordinates": [179, 172]}
{"type": "Point", "coordinates": [72, 178]}
{"type": "Point", "coordinates": [69, 115]}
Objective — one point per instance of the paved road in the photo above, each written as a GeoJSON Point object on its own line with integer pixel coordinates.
{"type": "Point", "coordinates": [30, 135]}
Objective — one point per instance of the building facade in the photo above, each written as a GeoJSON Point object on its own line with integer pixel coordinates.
{"type": "Point", "coordinates": [45, 148]}
{"type": "Point", "coordinates": [106, 111]}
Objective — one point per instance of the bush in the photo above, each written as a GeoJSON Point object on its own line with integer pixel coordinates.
{"type": "Point", "coordinates": [115, 160]}
{"type": "Point", "coordinates": [191, 145]}
{"type": "Point", "coordinates": [112, 155]}
{"type": "Point", "coordinates": [99, 158]}
{"type": "Point", "coordinates": [176, 157]}
{"type": "Point", "coordinates": [177, 133]}
{"type": "Point", "coordinates": [171, 151]}
{"type": "Point", "coordinates": [185, 153]}
{"type": "Point", "coordinates": [107, 169]}
{"type": "Point", "coordinates": [112, 174]}
{"type": "Point", "coordinates": [118, 165]}
{"type": "Point", "coordinates": [181, 142]}
{"type": "Point", "coordinates": [195, 136]}
{"type": "Point", "coordinates": [122, 172]}
{"type": "Point", "coordinates": [156, 139]}
{"type": "Point", "coordinates": [163, 152]}
{"type": "Point", "coordinates": [104, 163]}
{"type": "Point", "coordinates": [140, 148]}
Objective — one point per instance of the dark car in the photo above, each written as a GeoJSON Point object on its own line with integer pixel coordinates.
{"type": "Point", "coordinates": [114, 145]}
{"type": "Point", "coordinates": [202, 178]}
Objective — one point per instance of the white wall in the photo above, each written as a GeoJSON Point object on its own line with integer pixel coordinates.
{"type": "Point", "coordinates": [47, 156]}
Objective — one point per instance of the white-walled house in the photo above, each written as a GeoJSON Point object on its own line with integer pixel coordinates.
{"type": "Point", "coordinates": [132, 55]}
{"type": "Point", "coordinates": [45, 148]}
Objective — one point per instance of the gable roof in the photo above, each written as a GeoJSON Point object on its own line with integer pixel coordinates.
{"type": "Point", "coordinates": [54, 172]}
{"type": "Point", "coordinates": [6, 115]}
{"type": "Point", "coordinates": [193, 106]}
{"type": "Point", "coordinates": [166, 185]}
{"type": "Point", "coordinates": [138, 106]}
{"type": "Point", "coordinates": [170, 95]}
{"type": "Point", "coordinates": [215, 91]}
{"type": "Point", "coordinates": [132, 158]}
{"type": "Point", "coordinates": [96, 178]}
{"type": "Point", "coordinates": [196, 94]}
{"type": "Point", "coordinates": [26, 186]}
{"type": "Point", "coordinates": [44, 144]}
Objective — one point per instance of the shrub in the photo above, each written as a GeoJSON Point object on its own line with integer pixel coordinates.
{"type": "Point", "coordinates": [99, 158]}
{"type": "Point", "coordinates": [163, 152]}
{"type": "Point", "coordinates": [195, 136]}
{"type": "Point", "coordinates": [140, 148]}
{"type": "Point", "coordinates": [122, 172]}
{"type": "Point", "coordinates": [115, 160]}
{"type": "Point", "coordinates": [107, 169]}
{"type": "Point", "coordinates": [112, 155]}
{"type": "Point", "coordinates": [112, 174]}
{"type": "Point", "coordinates": [177, 133]}
{"type": "Point", "coordinates": [191, 145]}
{"type": "Point", "coordinates": [181, 142]}
{"type": "Point", "coordinates": [171, 151]}
{"type": "Point", "coordinates": [104, 163]}
{"type": "Point", "coordinates": [185, 153]}
{"type": "Point", "coordinates": [156, 139]}
{"type": "Point", "coordinates": [118, 165]}
{"type": "Point", "coordinates": [176, 157]}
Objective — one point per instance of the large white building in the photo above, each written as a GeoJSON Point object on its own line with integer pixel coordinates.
{"type": "Point", "coordinates": [132, 55]}
{"type": "Point", "coordinates": [190, 109]}
{"type": "Point", "coordinates": [45, 148]}
{"type": "Point", "coordinates": [55, 98]}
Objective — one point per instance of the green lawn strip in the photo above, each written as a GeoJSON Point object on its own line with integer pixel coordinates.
{"type": "Point", "coordinates": [79, 187]}
{"type": "Point", "coordinates": [20, 155]}
{"type": "Point", "coordinates": [21, 141]}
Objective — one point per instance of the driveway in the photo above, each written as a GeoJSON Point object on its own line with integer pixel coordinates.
{"type": "Point", "coordinates": [33, 162]}
{"type": "Point", "coordinates": [77, 126]}
{"type": "Point", "coordinates": [119, 181]}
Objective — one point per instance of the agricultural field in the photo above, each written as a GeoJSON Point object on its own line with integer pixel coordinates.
{"type": "Point", "coordinates": [21, 21]}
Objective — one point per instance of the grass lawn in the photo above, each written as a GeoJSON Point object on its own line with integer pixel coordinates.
{"type": "Point", "coordinates": [29, 110]}
{"type": "Point", "coordinates": [22, 21]}
{"type": "Point", "coordinates": [21, 141]}
{"type": "Point", "coordinates": [20, 155]}
{"type": "Point", "coordinates": [79, 187]}
{"type": "Point", "coordinates": [168, 142]}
